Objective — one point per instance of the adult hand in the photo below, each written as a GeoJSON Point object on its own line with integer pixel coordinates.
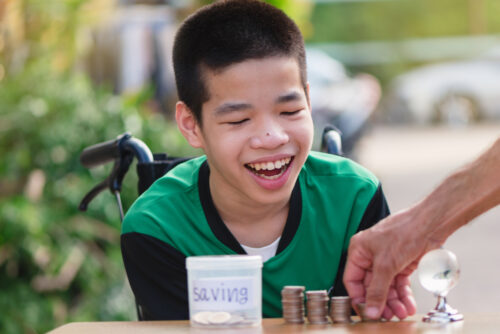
{"type": "Point", "coordinates": [380, 260]}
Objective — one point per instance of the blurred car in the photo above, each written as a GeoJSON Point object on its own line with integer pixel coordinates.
{"type": "Point", "coordinates": [455, 93]}
{"type": "Point", "coordinates": [337, 98]}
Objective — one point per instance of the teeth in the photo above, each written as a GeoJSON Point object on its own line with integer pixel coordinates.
{"type": "Point", "coordinates": [272, 177]}
{"type": "Point", "coordinates": [270, 165]}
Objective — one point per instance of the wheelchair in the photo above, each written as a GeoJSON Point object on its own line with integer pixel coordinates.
{"type": "Point", "coordinates": [150, 167]}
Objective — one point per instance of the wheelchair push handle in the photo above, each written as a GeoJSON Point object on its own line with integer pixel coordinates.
{"type": "Point", "coordinates": [331, 140]}
{"type": "Point", "coordinates": [99, 154]}
{"type": "Point", "coordinates": [122, 151]}
{"type": "Point", "coordinates": [110, 150]}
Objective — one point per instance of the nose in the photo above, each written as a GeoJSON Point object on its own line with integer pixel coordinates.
{"type": "Point", "coordinates": [269, 137]}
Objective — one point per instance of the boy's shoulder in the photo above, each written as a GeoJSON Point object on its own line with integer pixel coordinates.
{"type": "Point", "coordinates": [183, 176]}
{"type": "Point", "coordinates": [320, 165]}
{"type": "Point", "coordinates": [176, 191]}
{"type": "Point", "coordinates": [176, 184]}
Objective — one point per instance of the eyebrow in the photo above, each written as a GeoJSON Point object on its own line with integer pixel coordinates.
{"type": "Point", "coordinates": [231, 107]}
{"type": "Point", "coordinates": [289, 97]}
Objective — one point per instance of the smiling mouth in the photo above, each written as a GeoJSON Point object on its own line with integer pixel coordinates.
{"type": "Point", "coordinates": [270, 170]}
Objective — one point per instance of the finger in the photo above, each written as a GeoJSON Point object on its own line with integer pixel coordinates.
{"type": "Point", "coordinates": [400, 297]}
{"type": "Point", "coordinates": [392, 293]}
{"type": "Point", "coordinates": [406, 297]}
{"type": "Point", "coordinates": [355, 289]}
{"type": "Point", "coordinates": [405, 293]}
{"type": "Point", "coordinates": [376, 294]}
{"type": "Point", "coordinates": [410, 304]}
{"type": "Point", "coordinates": [354, 277]}
{"type": "Point", "coordinates": [402, 280]}
{"type": "Point", "coordinates": [398, 308]}
{"type": "Point", "coordinates": [387, 313]}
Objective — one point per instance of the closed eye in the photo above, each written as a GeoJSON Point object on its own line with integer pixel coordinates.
{"type": "Point", "coordinates": [291, 113]}
{"type": "Point", "coordinates": [238, 122]}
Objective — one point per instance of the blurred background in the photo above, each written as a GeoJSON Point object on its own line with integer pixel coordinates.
{"type": "Point", "coordinates": [413, 85]}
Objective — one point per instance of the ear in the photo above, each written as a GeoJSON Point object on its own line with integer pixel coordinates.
{"type": "Point", "coordinates": [187, 124]}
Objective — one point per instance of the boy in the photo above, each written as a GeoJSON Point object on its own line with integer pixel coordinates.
{"type": "Point", "coordinates": [241, 79]}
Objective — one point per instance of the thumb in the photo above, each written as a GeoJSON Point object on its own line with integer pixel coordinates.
{"type": "Point", "coordinates": [376, 293]}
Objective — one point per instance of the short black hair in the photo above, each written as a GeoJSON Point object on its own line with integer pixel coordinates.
{"type": "Point", "coordinates": [228, 32]}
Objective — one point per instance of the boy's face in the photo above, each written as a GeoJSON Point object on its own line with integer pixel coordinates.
{"type": "Point", "coordinates": [257, 129]}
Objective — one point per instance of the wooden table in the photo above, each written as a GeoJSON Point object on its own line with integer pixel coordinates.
{"type": "Point", "coordinates": [473, 324]}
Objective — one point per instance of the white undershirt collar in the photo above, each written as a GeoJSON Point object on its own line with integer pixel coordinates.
{"type": "Point", "coordinates": [266, 252]}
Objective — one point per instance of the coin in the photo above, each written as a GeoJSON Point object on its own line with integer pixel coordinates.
{"type": "Point", "coordinates": [293, 288]}
{"type": "Point", "coordinates": [317, 306]}
{"type": "Point", "coordinates": [202, 317]}
{"type": "Point", "coordinates": [235, 319]}
{"type": "Point", "coordinates": [292, 302]}
{"type": "Point", "coordinates": [340, 309]}
{"type": "Point", "coordinates": [218, 318]}
{"type": "Point", "coordinates": [316, 293]}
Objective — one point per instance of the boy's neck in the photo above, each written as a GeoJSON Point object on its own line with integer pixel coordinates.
{"type": "Point", "coordinates": [251, 223]}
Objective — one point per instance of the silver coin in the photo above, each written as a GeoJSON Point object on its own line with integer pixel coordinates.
{"type": "Point", "coordinates": [235, 319]}
{"type": "Point", "coordinates": [202, 317]}
{"type": "Point", "coordinates": [218, 318]}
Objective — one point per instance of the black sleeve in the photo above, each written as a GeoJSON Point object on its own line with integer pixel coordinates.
{"type": "Point", "coordinates": [158, 277]}
{"type": "Point", "coordinates": [376, 210]}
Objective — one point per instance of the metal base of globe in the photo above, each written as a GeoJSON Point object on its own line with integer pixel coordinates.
{"type": "Point", "coordinates": [443, 313]}
{"type": "Point", "coordinates": [442, 317]}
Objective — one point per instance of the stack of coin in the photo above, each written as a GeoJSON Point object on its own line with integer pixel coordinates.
{"type": "Point", "coordinates": [317, 306]}
{"type": "Point", "coordinates": [292, 301]}
{"type": "Point", "coordinates": [340, 309]}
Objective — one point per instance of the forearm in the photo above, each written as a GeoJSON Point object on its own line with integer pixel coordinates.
{"type": "Point", "coordinates": [467, 193]}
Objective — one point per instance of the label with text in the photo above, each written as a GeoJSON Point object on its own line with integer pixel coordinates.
{"type": "Point", "coordinates": [228, 293]}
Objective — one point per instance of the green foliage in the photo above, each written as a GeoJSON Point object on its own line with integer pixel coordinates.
{"type": "Point", "coordinates": [389, 20]}
{"type": "Point", "coordinates": [492, 8]}
{"type": "Point", "coordinates": [299, 11]}
{"type": "Point", "coordinates": [57, 264]}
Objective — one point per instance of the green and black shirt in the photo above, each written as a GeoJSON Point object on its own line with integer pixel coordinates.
{"type": "Point", "coordinates": [175, 218]}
